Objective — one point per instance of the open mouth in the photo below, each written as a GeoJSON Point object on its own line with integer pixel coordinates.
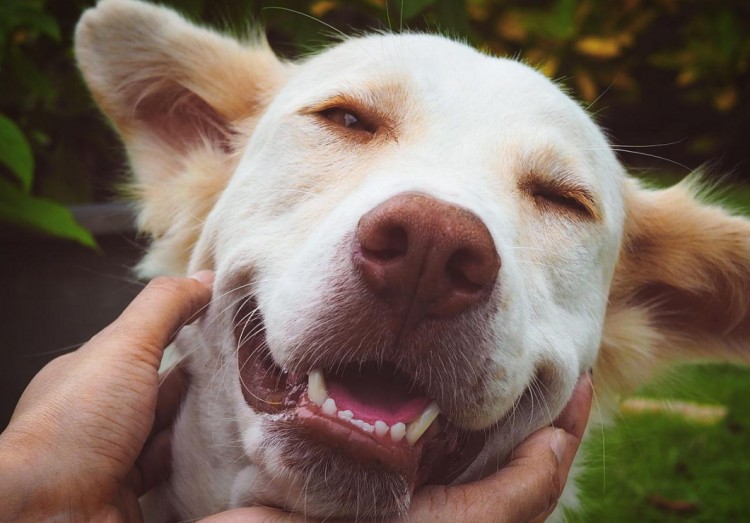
{"type": "Point", "coordinates": [370, 412]}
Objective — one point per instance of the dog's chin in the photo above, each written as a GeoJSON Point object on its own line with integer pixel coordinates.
{"type": "Point", "coordinates": [337, 482]}
{"type": "Point", "coordinates": [364, 458]}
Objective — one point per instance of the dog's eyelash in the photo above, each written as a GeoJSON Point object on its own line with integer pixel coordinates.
{"type": "Point", "coordinates": [562, 199]}
{"type": "Point", "coordinates": [572, 199]}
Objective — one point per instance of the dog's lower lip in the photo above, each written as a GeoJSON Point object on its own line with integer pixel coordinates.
{"type": "Point", "coordinates": [357, 444]}
{"type": "Point", "coordinates": [437, 459]}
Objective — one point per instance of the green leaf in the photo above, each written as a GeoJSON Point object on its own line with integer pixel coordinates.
{"type": "Point", "coordinates": [728, 34]}
{"type": "Point", "coordinates": [15, 152]}
{"type": "Point", "coordinates": [563, 19]}
{"type": "Point", "coordinates": [29, 15]}
{"type": "Point", "coordinates": [40, 215]}
{"type": "Point", "coordinates": [410, 8]}
{"type": "Point", "coordinates": [37, 20]}
{"type": "Point", "coordinates": [26, 72]}
{"type": "Point", "coordinates": [453, 16]}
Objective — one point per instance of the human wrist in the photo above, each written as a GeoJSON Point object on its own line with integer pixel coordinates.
{"type": "Point", "coordinates": [27, 492]}
{"type": "Point", "coordinates": [16, 488]}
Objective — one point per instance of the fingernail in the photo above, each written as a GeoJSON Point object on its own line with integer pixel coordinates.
{"type": "Point", "coordinates": [557, 444]}
{"type": "Point", "coordinates": [205, 277]}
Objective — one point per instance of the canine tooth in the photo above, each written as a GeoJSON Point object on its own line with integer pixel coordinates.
{"type": "Point", "coordinates": [346, 414]}
{"type": "Point", "coordinates": [381, 428]}
{"type": "Point", "coordinates": [419, 426]}
{"type": "Point", "coordinates": [397, 432]}
{"type": "Point", "coordinates": [316, 387]}
{"type": "Point", "coordinates": [329, 407]}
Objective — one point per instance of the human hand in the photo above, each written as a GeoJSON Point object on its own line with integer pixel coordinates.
{"type": "Point", "coordinates": [91, 432]}
{"type": "Point", "coordinates": [527, 488]}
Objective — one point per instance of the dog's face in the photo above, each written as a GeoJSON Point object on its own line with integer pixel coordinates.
{"type": "Point", "coordinates": [414, 245]}
{"type": "Point", "coordinates": [403, 246]}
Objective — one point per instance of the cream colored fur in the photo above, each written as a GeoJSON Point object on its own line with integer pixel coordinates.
{"type": "Point", "coordinates": [233, 173]}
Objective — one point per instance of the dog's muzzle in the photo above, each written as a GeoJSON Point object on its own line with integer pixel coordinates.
{"type": "Point", "coordinates": [423, 264]}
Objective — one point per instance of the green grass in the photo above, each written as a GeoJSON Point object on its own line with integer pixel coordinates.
{"type": "Point", "coordinates": [658, 455]}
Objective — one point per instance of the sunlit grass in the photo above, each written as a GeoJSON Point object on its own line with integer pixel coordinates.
{"type": "Point", "coordinates": [662, 468]}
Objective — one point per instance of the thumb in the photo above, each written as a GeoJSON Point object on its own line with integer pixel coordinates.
{"type": "Point", "coordinates": [147, 325]}
{"type": "Point", "coordinates": [257, 515]}
{"type": "Point", "coordinates": [525, 489]}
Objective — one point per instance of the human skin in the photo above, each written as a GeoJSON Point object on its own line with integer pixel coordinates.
{"type": "Point", "coordinates": [92, 432]}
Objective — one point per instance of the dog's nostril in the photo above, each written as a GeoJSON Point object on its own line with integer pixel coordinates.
{"type": "Point", "coordinates": [386, 244]}
{"type": "Point", "coordinates": [469, 272]}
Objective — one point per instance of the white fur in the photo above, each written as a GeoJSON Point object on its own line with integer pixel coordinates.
{"type": "Point", "coordinates": [466, 156]}
{"type": "Point", "coordinates": [471, 127]}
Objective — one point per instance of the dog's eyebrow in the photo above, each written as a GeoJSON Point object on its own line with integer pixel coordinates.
{"type": "Point", "coordinates": [379, 95]}
{"type": "Point", "coordinates": [359, 101]}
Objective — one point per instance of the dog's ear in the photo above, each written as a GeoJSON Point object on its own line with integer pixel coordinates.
{"type": "Point", "coordinates": [155, 74]}
{"type": "Point", "coordinates": [184, 100]}
{"type": "Point", "coordinates": [681, 289]}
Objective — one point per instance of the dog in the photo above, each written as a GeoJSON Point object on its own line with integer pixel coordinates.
{"type": "Point", "coordinates": [418, 248]}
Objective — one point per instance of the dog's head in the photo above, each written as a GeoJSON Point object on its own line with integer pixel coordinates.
{"type": "Point", "coordinates": [419, 248]}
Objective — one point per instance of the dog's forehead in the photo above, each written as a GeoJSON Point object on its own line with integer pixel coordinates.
{"type": "Point", "coordinates": [446, 90]}
{"type": "Point", "coordinates": [457, 104]}
{"type": "Point", "coordinates": [442, 74]}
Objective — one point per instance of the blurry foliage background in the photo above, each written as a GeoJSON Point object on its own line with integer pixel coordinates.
{"type": "Point", "coordinates": [653, 72]}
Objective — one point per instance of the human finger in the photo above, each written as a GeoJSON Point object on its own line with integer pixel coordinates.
{"type": "Point", "coordinates": [258, 515]}
{"type": "Point", "coordinates": [148, 324]}
{"type": "Point", "coordinates": [575, 415]}
{"type": "Point", "coordinates": [153, 465]}
{"type": "Point", "coordinates": [172, 386]}
{"type": "Point", "coordinates": [573, 421]}
{"type": "Point", "coordinates": [526, 489]}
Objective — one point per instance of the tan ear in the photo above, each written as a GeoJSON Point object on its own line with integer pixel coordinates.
{"type": "Point", "coordinates": [184, 99]}
{"type": "Point", "coordinates": [681, 289]}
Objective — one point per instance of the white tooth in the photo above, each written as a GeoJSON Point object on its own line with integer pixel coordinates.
{"type": "Point", "coordinates": [362, 425]}
{"type": "Point", "coordinates": [346, 414]}
{"type": "Point", "coordinates": [329, 407]}
{"type": "Point", "coordinates": [381, 428]}
{"type": "Point", "coordinates": [397, 432]}
{"type": "Point", "coordinates": [316, 387]}
{"type": "Point", "coordinates": [419, 426]}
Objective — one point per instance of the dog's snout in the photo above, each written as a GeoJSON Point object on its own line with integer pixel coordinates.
{"type": "Point", "coordinates": [426, 257]}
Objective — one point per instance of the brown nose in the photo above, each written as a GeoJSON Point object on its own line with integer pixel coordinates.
{"type": "Point", "coordinates": [426, 257]}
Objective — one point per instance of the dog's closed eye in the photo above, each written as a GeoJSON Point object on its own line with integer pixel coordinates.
{"type": "Point", "coordinates": [545, 196]}
{"type": "Point", "coordinates": [551, 195]}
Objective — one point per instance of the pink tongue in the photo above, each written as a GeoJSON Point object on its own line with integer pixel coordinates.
{"type": "Point", "coordinates": [371, 403]}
